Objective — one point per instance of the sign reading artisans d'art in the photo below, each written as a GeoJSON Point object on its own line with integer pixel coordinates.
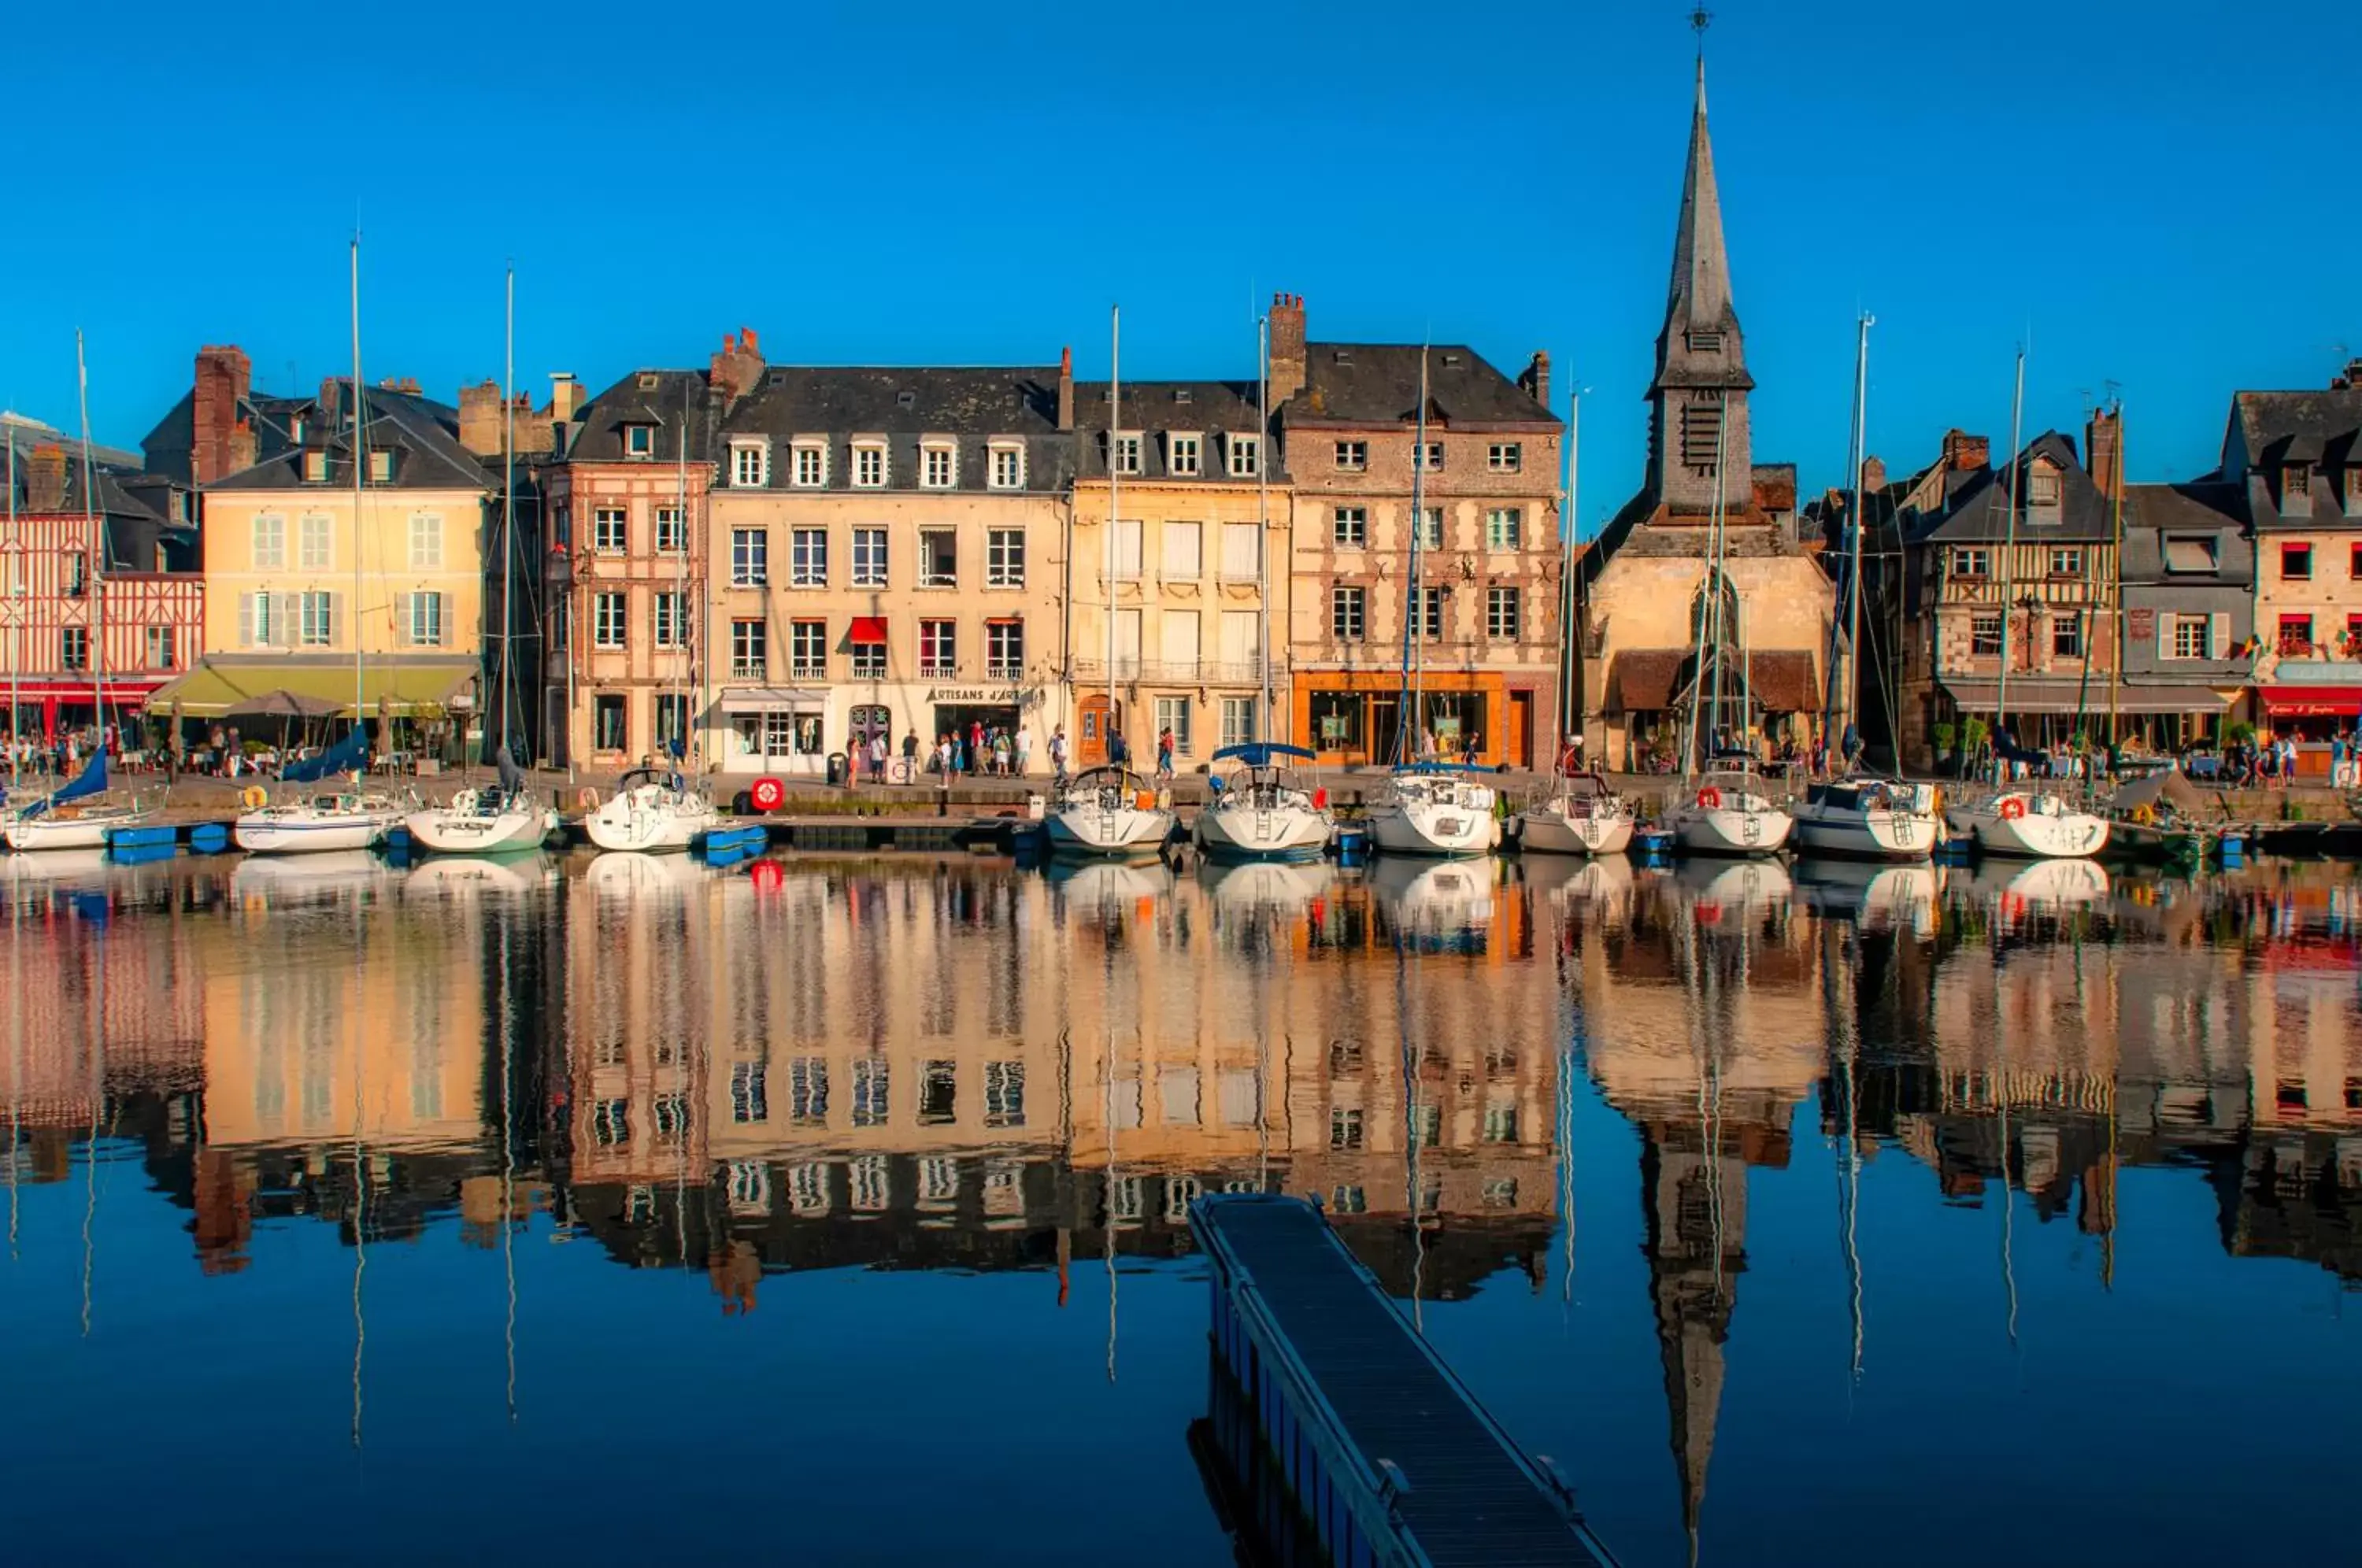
{"type": "Point", "coordinates": [1009, 695]}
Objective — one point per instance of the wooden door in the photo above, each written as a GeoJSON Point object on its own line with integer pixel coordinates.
{"type": "Point", "coordinates": [1090, 742]}
{"type": "Point", "coordinates": [1519, 751]}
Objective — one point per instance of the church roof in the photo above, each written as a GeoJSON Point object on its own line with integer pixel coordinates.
{"type": "Point", "coordinates": [1701, 344]}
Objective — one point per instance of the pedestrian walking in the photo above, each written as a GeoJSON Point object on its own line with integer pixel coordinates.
{"type": "Point", "coordinates": [1024, 752]}
{"type": "Point", "coordinates": [1164, 754]}
{"type": "Point", "coordinates": [1058, 755]}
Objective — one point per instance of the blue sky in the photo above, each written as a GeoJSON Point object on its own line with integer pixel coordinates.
{"type": "Point", "coordinates": [2155, 195]}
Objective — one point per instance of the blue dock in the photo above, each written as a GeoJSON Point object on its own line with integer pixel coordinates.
{"type": "Point", "coordinates": [1339, 1435]}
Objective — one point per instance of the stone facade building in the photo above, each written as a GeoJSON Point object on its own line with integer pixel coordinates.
{"type": "Point", "coordinates": [2188, 576]}
{"type": "Point", "coordinates": [1488, 561]}
{"type": "Point", "coordinates": [1645, 587]}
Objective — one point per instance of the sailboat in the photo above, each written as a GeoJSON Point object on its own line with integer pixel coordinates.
{"type": "Point", "coordinates": [58, 820]}
{"type": "Point", "coordinates": [347, 818]}
{"type": "Point", "coordinates": [656, 810]}
{"type": "Point", "coordinates": [2012, 822]}
{"type": "Point", "coordinates": [509, 819]}
{"type": "Point", "coordinates": [1864, 817]}
{"type": "Point", "coordinates": [1109, 810]}
{"type": "Point", "coordinates": [1427, 808]}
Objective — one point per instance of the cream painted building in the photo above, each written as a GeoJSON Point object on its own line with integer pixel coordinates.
{"type": "Point", "coordinates": [1201, 529]}
{"type": "Point", "coordinates": [889, 551]}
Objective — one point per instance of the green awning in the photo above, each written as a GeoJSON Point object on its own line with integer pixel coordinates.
{"type": "Point", "coordinates": [406, 688]}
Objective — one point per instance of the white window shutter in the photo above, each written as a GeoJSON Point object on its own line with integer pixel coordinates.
{"type": "Point", "coordinates": [405, 620]}
{"type": "Point", "coordinates": [245, 620]}
{"type": "Point", "coordinates": [2218, 642]}
{"type": "Point", "coordinates": [286, 615]}
{"type": "Point", "coordinates": [2165, 623]}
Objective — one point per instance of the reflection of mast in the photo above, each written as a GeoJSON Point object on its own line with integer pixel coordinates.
{"type": "Point", "coordinates": [2008, 1265]}
{"type": "Point", "coordinates": [508, 1020]}
{"type": "Point", "coordinates": [97, 1050]}
{"type": "Point", "coordinates": [16, 1042]}
{"type": "Point", "coordinates": [1849, 1043]}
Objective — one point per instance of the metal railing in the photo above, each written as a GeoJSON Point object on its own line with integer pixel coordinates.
{"type": "Point", "coordinates": [1175, 672]}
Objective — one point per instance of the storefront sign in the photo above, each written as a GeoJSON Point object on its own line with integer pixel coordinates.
{"type": "Point", "coordinates": [1009, 696]}
{"type": "Point", "coordinates": [2141, 625]}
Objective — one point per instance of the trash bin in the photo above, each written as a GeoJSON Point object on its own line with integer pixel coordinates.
{"type": "Point", "coordinates": [836, 768]}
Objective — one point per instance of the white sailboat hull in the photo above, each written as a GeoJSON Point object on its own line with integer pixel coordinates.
{"type": "Point", "coordinates": [1552, 830]}
{"type": "Point", "coordinates": [472, 832]}
{"type": "Point", "coordinates": [85, 829]}
{"type": "Point", "coordinates": [645, 821]}
{"type": "Point", "coordinates": [1238, 830]}
{"type": "Point", "coordinates": [1899, 836]}
{"type": "Point", "coordinates": [1433, 828]}
{"type": "Point", "coordinates": [2035, 834]}
{"type": "Point", "coordinates": [1732, 831]}
{"type": "Point", "coordinates": [284, 831]}
{"type": "Point", "coordinates": [1088, 828]}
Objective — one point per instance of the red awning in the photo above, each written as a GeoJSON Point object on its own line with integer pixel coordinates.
{"type": "Point", "coordinates": [2312, 701]}
{"type": "Point", "coordinates": [46, 688]}
{"type": "Point", "coordinates": [868, 630]}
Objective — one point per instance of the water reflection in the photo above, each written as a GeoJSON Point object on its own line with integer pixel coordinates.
{"type": "Point", "coordinates": [955, 1065]}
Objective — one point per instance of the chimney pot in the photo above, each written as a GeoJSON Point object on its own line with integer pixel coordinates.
{"type": "Point", "coordinates": [1287, 353]}
{"type": "Point", "coordinates": [1874, 474]}
{"type": "Point", "coordinates": [2105, 453]}
{"type": "Point", "coordinates": [45, 477]}
{"type": "Point", "coordinates": [1536, 379]}
{"type": "Point", "coordinates": [1067, 388]}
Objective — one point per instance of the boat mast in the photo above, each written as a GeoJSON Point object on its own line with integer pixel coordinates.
{"type": "Point", "coordinates": [1849, 693]}
{"type": "Point", "coordinates": [1709, 619]}
{"type": "Point", "coordinates": [2009, 564]}
{"type": "Point", "coordinates": [15, 551]}
{"type": "Point", "coordinates": [2116, 590]}
{"type": "Point", "coordinates": [1262, 515]}
{"type": "Point", "coordinates": [508, 511]}
{"type": "Point", "coordinates": [680, 578]}
{"type": "Point", "coordinates": [96, 650]}
{"type": "Point", "coordinates": [1569, 704]}
{"type": "Point", "coordinates": [360, 477]}
{"type": "Point", "coordinates": [1406, 721]}
{"type": "Point", "coordinates": [1115, 464]}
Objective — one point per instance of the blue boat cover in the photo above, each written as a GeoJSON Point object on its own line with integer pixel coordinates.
{"type": "Point", "coordinates": [347, 755]}
{"type": "Point", "coordinates": [1258, 753]}
{"type": "Point", "coordinates": [91, 780]}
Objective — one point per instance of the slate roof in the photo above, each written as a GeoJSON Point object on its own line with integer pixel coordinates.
{"type": "Point", "coordinates": [138, 508]}
{"type": "Point", "coordinates": [1159, 409]}
{"type": "Point", "coordinates": [1349, 384]}
{"type": "Point", "coordinates": [647, 397]}
{"type": "Point", "coordinates": [1979, 510]}
{"type": "Point", "coordinates": [2208, 507]}
{"type": "Point", "coordinates": [2305, 427]}
{"type": "Point", "coordinates": [972, 404]}
{"type": "Point", "coordinates": [422, 434]}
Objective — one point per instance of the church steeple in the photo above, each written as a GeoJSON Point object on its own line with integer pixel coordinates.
{"type": "Point", "coordinates": [1701, 385]}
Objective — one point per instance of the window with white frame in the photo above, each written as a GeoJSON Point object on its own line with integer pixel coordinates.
{"type": "Point", "coordinates": [1127, 550]}
{"type": "Point", "coordinates": [423, 615]}
{"type": "Point", "coordinates": [1238, 721]}
{"type": "Point", "coordinates": [317, 622]}
{"type": "Point", "coordinates": [639, 441]}
{"type": "Point", "coordinates": [869, 558]}
{"type": "Point", "coordinates": [74, 647]}
{"type": "Point", "coordinates": [1972, 561]}
{"type": "Point", "coordinates": [1504, 615]}
{"type": "Point", "coordinates": [1246, 455]}
{"type": "Point", "coordinates": [2067, 562]}
{"type": "Point", "coordinates": [1173, 714]}
{"type": "Point", "coordinates": [938, 648]}
{"type": "Point", "coordinates": [811, 469]}
{"type": "Point", "coordinates": [808, 649]}
{"type": "Point", "coordinates": [1430, 624]}
{"type": "Point", "coordinates": [750, 558]}
{"type": "Point", "coordinates": [2042, 486]}
{"type": "Point", "coordinates": [1183, 461]}
{"type": "Point", "coordinates": [1350, 528]}
{"type": "Point", "coordinates": [750, 650]}
{"type": "Point", "coordinates": [870, 465]}
{"type": "Point", "coordinates": [938, 465]}
{"type": "Point", "coordinates": [2194, 636]}
{"type": "Point", "coordinates": [671, 618]}
{"type": "Point", "coordinates": [869, 661]}
{"type": "Point", "coordinates": [607, 630]}
{"type": "Point", "coordinates": [1184, 551]}
{"type": "Point", "coordinates": [1505, 528]}
{"type": "Point", "coordinates": [1504, 457]}
{"type": "Point", "coordinates": [938, 557]}
{"type": "Point", "coordinates": [672, 538]}
{"type": "Point", "coordinates": [1004, 558]}
{"type": "Point", "coordinates": [1430, 457]}
{"type": "Point", "coordinates": [1123, 452]}
{"type": "Point", "coordinates": [381, 466]}
{"type": "Point", "coordinates": [1007, 465]}
{"type": "Point", "coordinates": [1348, 614]}
{"type": "Point", "coordinates": [610, 530]}
{"type": "Point", "coordinates": [159, 648]}
{"type": "Point", "coordinates": [750, 464]}
{"type": "Point", "coordinates": [1004, 650]}
{"type": "Point", "coordinates": [317, 544]}
{"type": "Point", "coordinates": [1984, 635]}
{"type": "Point", "coordinates": [1430, 528]}
{"type": "Point", "coordinates": [270, 542]}
{"type": "Point", "coordinates": [1353, 456]}
{"type": "Point", "coordinates": [425, 541]}
{"type": "Point", "coordinates": [808, 560]}
{"type": "Point", "coordinates": [315, 468]}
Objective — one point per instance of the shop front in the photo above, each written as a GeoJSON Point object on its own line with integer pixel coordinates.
{"type": "Point", "coordinates": [1354, 719]}
{"type": "Point", "coordinates": [2312, 716]}
{"type": "Point", "coordinates": [772, 729]}
{"type": "Point", "coordinates": [966, 712]}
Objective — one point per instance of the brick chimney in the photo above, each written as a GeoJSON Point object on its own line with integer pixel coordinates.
{"type": "Point", "coordinates": [1066, 388]}
{"type": "Point", "coordinates": [2350, 377]}
{"type": "Point", "coordinates": [565, 396]}
{"type": "Point", "coordinates": [45, 477]}
{"type": "Point", "coordinates": [242, 451]}
{"type": "Point", "coordinates": [399, 384]}
{"type": "Point", "coordinates": [223, 378]}
{"type": "Point", "coordinates": [1873, 475]}
{"type": "Point", "coordinates": [1286, 347]}
{"type": "Point", "coordinates": [738, 367]}
{"type": "Point", "coordinates": [1535, 380]}
{"type": "Point", "coordinates": [2103, 452]}
{"type": "Point", "coordinates": [481, 418]}
{"type": "Point", "coordinates": [1964, 453]}
{"type": "Point", "coordinates": [332, 402]}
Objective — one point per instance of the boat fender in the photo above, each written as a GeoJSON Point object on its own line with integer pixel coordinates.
{"type": "Point", "coordinates": [255, 798]}
{"type": "Point", "coordinates": [2013, 809]}
{"type": "Point", "coordinates": [1320, 798]}
{"type": "Point", "coordinates": [1709, 798]}
{"type": "Point", "coordinates": [587, 800]}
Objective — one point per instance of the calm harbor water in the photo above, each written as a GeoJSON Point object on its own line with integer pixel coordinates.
{"type": "Point", "coordinates": [835, 1212]}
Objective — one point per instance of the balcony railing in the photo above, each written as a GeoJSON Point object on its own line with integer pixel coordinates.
{"type": "Point", "coordinates": [742, 670]}
{"type": "Point", "coordinates": [808, 669]}
{"type": "Point", "coordinates": [1012, 673]}
{"type": "Point", "coordinates": [938, 670]}
{"type": "Point", "coordinates": [1174, 672]}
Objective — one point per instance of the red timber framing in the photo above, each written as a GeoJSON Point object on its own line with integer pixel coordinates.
{"type": "Point", "coordinates": [148, 624]}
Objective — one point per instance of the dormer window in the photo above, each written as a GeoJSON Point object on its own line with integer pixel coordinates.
{"type": "Point", "coordinates": [938, 463]}
{"type": "Point", "coordinates": [1123, 453]}
{"type": "Point", "coordinates": [1008, 470]}
{"type": "Point", "coordinates": [2296, 490]}
{"type": "Point", "coordinates": [2354, 489]}
{"type": "Point", "coordinates": [1246, 455]}
{"type": "Point", "coordinates": [869, 463]}
{"type": "Point", "coordinates": [2042, 486]}
{"type": "Point", "coordinates": [381, 466]}
{"type": "Point", "coordinates": [295, 430]}
{"type": "Point", "coordinates": [640, 441]}
{"type": "Point", "coordinates": [1182, 458]}
{"type": "Point", "coordinates": [809, 469]}
{"type": "Point", "coordinates": [315, 468]}
{"type": "Point", "coordinates": [750, 464]}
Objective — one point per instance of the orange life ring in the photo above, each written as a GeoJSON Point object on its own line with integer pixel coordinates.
{"type": "Point", "coordinates": [2013, 809]}
{"type": "Point", "coordinates": [1709, 798]}
{"type": "Point", "coordinates": [768, 794]}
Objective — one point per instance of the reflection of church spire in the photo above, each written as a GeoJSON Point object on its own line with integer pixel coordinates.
{"type": "Point", "coordinates": [1695, 1210]}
